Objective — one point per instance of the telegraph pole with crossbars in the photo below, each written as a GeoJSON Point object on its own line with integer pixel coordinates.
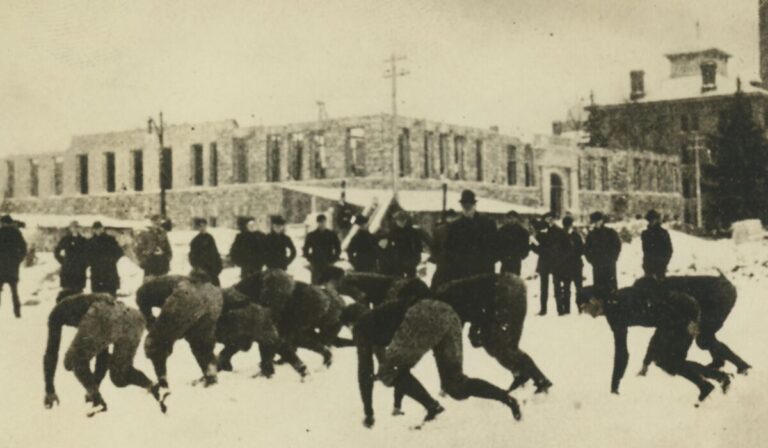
{"type": "Point", "coordinates": [159, 128]}
{"type": "Point", "coordinates": [393, 73]}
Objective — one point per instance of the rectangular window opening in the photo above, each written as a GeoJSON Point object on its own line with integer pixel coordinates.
{"type": "Point", "coordinates": [137, 157]}
{"type": "Point", "coordinates": [109, 171]}
{"type": "Point", "coordinates": [82, 173]}
{"type": "Point", "coordinates": [198, 170]}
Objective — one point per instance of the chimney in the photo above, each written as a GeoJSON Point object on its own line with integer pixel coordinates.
{"type": "Point", "coordinates": [557, 127]}
{"type": "Point", "coordinates": [708, 76]}
{"type": "Point", "coordinates": [763, 12]}
{"type": "Point", "coordinates": [495, 129]}
{"type": "Point", "coordinates": [637, 84]}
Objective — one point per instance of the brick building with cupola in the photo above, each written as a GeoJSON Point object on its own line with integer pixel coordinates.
{"type": "Point", "coordinates": [677, 115]}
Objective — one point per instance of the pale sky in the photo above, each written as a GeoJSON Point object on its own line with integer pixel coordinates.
{"type": "Point", "coordinates": [85, 66]}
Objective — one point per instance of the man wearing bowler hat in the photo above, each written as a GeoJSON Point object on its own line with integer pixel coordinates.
{"type": "Point", "coordinates": [657, 247]}
{"type": "Point", "coordinates": [471, 246]}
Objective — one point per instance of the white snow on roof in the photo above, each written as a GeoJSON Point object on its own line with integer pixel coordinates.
{"type": "Point", "coordinates": [690, 87]}
{"type": "Point", "coordinates": [39, 220]}
{"type": "Point", "coordinates": [697, 49]}
{"type": "Point", "coordinates": [686, 87]}
{"type": "Point", "coordinates": [355, 196]}
{"type": "Point", "coordinates": [415, 200]}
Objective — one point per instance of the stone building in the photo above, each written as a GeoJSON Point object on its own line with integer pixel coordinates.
{"type": "Point", "coordinates": [621, 183]}
{"type": "Point", "coordinates": [222, 171]}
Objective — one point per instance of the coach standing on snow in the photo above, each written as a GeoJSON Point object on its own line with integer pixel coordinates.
{"type": "Point", "coordinates": [552, 249]}
{"type": "Point", "coordinates": [13, 249]}
{"type": "Point", "coordinates": [514, 244]}
{"type": "Point", "coordinates": [602, 251]}
{"type": "Point", "coordinates": [153, 249]}
{"type": "Point", "coordinates": [472, 241]}
{"type": "Point", "coordinates": [203, 253]}
{"type": "Point", "coordinates": [363, 249]}
{"type": "Point", "coordinates": [657, 247]}
{"type": "Point", "coordinates": [321, 248]}
{"type": "Point", "coordinates": [402, 249]}
{"type": "Point", "coordinates": [70, 252]}
{"type": "Point", "coordinates": [279, 249]}
{"type": "Point", "coordinates": [247, 250]}
{"type": "Point", "coordinates": [103, 254]}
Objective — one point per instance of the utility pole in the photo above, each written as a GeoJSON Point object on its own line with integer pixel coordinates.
{"type": "Point", "coordinates": [322, 115]}
{"type": "Point", "coordinates": [318, 157]}
{"type": "Point", "coordinates": [697, 147]}
{"type": "Point", "coordinates": [393, 73]}
{"type": "Point", "coordinates": [159, 129]}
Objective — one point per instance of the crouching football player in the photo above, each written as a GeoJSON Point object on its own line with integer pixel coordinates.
{"type": "Point", "coordinates": [101, 321]}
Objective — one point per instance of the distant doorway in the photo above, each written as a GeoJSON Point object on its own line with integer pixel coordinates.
{"type": "Point", "coordinates": [556, 194]}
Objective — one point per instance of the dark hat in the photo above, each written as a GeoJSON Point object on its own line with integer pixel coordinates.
{"type": "Point", "coordinates": [155, 217]}
{"type": "Point", "coordinates": [513, 214]}
{"type": "Point", "coordinates": [277, 219]}
{"type": "Point", "coordinates": [97, 225]}
{"type": "Point", "coordinates": [652, 215]}
{"type": "Point", "coordinates": [321, 218]}
{"type": "Point", "coordinates": [548, 215]}
{"type": "Point", "coordinates": [200, 221]}
{"type": "Point", "coordinates": [451, 212]}
{"type": "Point", "coordinates": [596, 216]}
{"type": "Point", "coordinates": [567, 221]}
{"type": "Point", "coordinates": [361, 220]}
{"type": "Point", "coordinates": [468, 197]}
{"type": "Point", "coordinates": [6, 219]}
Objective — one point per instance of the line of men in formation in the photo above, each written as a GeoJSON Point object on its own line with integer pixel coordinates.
{"type": "Point", "coordinates": [395, 319]}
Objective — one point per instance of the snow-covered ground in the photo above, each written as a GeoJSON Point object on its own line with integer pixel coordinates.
{"type": "Point", "coordinates": [574, 351]}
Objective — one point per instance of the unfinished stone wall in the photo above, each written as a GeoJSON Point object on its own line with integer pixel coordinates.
{"type": "Point", "coordinates": [222, 204]}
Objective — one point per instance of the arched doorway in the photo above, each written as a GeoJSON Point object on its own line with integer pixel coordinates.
{"type": "Point", "coordinates": [556, 194]}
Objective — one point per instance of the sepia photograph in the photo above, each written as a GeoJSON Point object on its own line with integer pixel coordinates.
{"type": "Point", "coordinates": [383, 223]}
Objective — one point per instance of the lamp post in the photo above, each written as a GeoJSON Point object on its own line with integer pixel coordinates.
{"type": "Point", "coordinates": [159, 129]}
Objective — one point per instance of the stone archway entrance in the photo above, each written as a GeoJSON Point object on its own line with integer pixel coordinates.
{"type": "Point", "coordinates": [556, 196]}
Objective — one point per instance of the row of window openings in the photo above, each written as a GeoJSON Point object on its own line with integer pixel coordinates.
{"type": "Point", "coordinates": [137, 169]}
{"type": "Point", "coordinates": [453, 167]}
{"type": "Point", "coordinates": [34, 177]}
{"type": "Point", "coordinates": [646, 176]}
{"type": "Point", "coordinates": [528, 177]}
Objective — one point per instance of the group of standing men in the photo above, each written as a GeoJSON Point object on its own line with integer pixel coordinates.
{"type": "Point", "coordinates": [469, 244]}
{"type": "Point", "coordinates": [76, 254]}
{"type": "Point", "coordinates": [252, 249]}
{"type": "Point", "coordinates": [560, 251]}
{"type": "Point", "coordinates": [101, 253]}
